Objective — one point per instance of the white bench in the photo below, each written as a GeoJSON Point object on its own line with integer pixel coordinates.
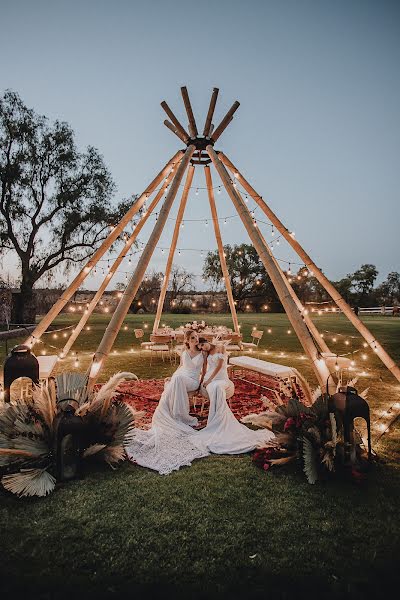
{"type": "Point", "coordinates": [262, 366]}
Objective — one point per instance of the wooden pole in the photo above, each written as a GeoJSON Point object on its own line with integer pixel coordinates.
{"type": "Point", "coordinates": [323, 280]}
{"type": "Point", "coordinates": [93, 303]}
{"type": "Point", "coordinates": [181, 210]}
{"type": "Point", "coordinates": [210, 114]}
{"type": "Point", "coordinates": [225, 121]}
{"type": "Point", "coordinates": [217, 232]}
{"type": "Point", "coordinates": [311, 326]}
{"type": "Point", "coordinates": [175, 121]}
{"type": "Point", "coordinates": [192, 121]}
{"type": "Point", "coordinates": [319, 366]}
{"type": "Point", "coordinates": [172, 128]}
{"type": "Point", "coordinates": [131, 289]}
{"type": "Point", "coordinates": [79, 279]}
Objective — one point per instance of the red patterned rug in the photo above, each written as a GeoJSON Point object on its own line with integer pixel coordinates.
{"type": "Point", "coordinates": [144, 395]}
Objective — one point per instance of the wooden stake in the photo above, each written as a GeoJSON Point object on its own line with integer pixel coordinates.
{"type": "Point", "coordinates": [217, 232]}
{"type": "Point", "coordinates": [131, 289]}
{"type": "Point", "coordinates": [321, 371]}
{"type": "Point", "coordinates": [323, 280]}
{"type": "Point", "coordinates": [181, 210]}
{"type": "Point", "coordinates": [192, 121]}
{"type": "Point", "coordinates": [80, 278]}
{"type": "Point", "coordinates": [92, 305]}
{"type": "Point", "coordinates": [175, 121]}
{"type": "Point", "coordinates": [225, 121]}
{"type": "Point", "coordinates": [172, 128]}
{"type": "Point", "coordinates": [213, 101]}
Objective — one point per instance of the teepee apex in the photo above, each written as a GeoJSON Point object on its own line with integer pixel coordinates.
{"type": "Point", "coordinates": [210, 134]}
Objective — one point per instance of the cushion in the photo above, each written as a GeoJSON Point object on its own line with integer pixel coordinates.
{"type": "Point", "coordinates": [262, 366]}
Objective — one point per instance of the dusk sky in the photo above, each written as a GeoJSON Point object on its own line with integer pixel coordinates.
{"type": "Point", "coordinates": [317, 132]}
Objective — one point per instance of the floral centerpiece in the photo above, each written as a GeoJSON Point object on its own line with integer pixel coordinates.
{"type": "Point", "coordinates": [196, 326]}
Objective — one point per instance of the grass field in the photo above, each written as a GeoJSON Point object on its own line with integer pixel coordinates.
{"type": "Point", "coordinates": [221, 528]}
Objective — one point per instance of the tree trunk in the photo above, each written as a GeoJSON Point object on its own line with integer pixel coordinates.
{"type": "Point", "coordinates": [24, 304]}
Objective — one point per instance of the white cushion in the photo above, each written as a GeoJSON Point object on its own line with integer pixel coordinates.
{"type": "Point", "coordinates": [262, 366]}
{"type": "Point", "coordinates": [147, 344]}
{"type": "Point", "coordinates": [249, 345]}
{"type": "Point", "coordinates": [232, 347]}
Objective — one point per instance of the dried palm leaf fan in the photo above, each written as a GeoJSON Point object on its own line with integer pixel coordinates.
{"type": "Point", "coordinates": [40, 441]}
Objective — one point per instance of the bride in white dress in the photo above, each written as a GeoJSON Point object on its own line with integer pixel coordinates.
{"type": "Point", "coordinates": [169, 443]}
{"type": "Point", "coordinates": [223, 433]}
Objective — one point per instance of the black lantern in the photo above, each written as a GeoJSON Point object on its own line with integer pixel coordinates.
{"type": "Point", "coordinates": [347, 406]}
{"type": "Point", "coordinates": [69, 440]}
{"type": "Point", "coordinates": [21, 362]}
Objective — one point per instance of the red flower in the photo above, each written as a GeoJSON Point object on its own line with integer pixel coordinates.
{"type": "Point", "coordinates": [266, 466]}
{"type": "Point", "coordinates": [289, 423]}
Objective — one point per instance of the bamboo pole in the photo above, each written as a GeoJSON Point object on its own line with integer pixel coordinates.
{"type": "Point", "coordinates": [310, 324]}
{"type": "Point", "coordinates": [323, 280]}
{"type": "Point", "coordinates": [217, 232]}
{"type": "Point", "coordinates": [181, 210]}
{"type": "Point", "coordinates": [192, 121]}
{"type": "Point", "coordinates": [213, 101]}
{"type": "Point", "coordinates": [93, 303]}
{"type": "Point", "coordinates": [321, 370]}
{"type": "Point", "coordinates": [172, 128]}
{"type": "Point", "coordinates": [225, 121]}
{"type": "Point", "coordinates": [80, 278]}
{"type": "Point", "coordinates": [131, 289]}
{"type": "Point", "coordinates": [175, 121]}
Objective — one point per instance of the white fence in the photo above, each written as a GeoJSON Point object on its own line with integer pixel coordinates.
{"type": "Point", "coordinates": [376, 310]}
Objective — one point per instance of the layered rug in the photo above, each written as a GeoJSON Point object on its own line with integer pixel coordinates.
{"type": "Point", "coordinates": [144, 395]}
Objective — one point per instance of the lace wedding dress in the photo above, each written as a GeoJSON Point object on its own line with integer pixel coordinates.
{"type": "Point", "coordinates": [170, 443]}
{"type": "Point", "coordinates": [223, 433]}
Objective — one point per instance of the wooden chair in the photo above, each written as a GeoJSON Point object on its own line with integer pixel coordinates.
{"type": "Point", "coordinates": [160, 344]}
{"type": "Point", "coordinates": [139, 333]}
{"type": "Point", "coordinates": [256, 337]}
{"type": "Point", "coordinates": [236, 343]}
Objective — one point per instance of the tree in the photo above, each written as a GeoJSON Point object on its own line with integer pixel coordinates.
{"type": "Point", "coordinates": [55, 201]}
{"type": "Point", "coordinates": [363, 282]}
{"type": "Point", "coordinates": [148, 292]}
{"type": "Point", "coordinates": [389, 290]}
{"type": "Point", "coordinates": [180, 281]}
{"type": "Point", "coordinates": [251, 285]}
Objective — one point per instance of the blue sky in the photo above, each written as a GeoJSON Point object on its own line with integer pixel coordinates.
{"type": "Point", "coordinates": [317, 132]}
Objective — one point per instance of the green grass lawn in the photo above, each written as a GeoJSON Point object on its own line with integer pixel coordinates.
{"type": "Point", "coordinates": [221, 527]}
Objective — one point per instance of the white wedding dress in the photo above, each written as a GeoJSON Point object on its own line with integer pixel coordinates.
{"type": "Point", "coordinates": [171, 442]}
{"type": "Point", "coordinates": [168, 444]}
{"type": "Point", "coordinates": [223, 433]}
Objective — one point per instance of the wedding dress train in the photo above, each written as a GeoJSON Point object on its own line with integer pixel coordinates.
{"type": "Point", "coordinates": [168, 444]}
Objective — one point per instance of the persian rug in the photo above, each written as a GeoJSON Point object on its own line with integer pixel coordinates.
{"type": "Point", "coordinates": [144, 395]}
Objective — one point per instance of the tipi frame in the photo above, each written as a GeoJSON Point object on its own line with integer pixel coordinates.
{"type": "Point", "coordinates": [200, 151]}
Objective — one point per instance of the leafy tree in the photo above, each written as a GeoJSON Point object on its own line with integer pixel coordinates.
{"type": "Point", "coordinates": [55, 201]}
{"type": "Point", "coordinates": [148, 292]}
{"type": "Point", "coordinates": [363, 282]}
{"type": "Point", "coordinates": [248, 278]}
{"type": "Point", "coordinates": [389, 290]}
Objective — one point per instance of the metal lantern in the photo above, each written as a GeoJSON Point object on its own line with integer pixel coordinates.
{"type": "Point", "coordinates": [347, 406]}
{"type": "Point", "coordinates": [21, 362]}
